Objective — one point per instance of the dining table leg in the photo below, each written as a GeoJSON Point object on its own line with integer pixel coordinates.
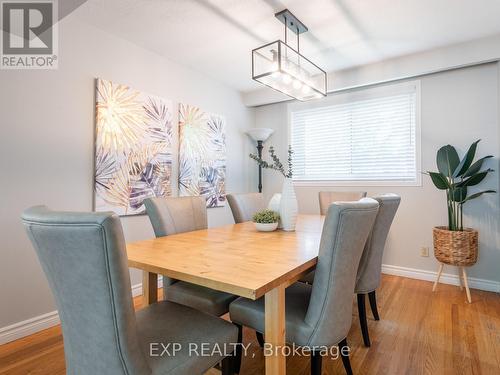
{"type": "Point", "coordinates": [275, 331]}
{"type": "Point", "coordinates": [149, 287]}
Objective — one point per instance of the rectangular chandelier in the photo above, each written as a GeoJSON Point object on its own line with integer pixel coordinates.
{"type": "Point", "coordinates": [279, 66]}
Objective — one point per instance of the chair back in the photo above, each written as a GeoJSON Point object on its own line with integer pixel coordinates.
{"type": "Point", "coordinates": [244, 206]}
{"type": "Point", "coordinates": [84, 259]}
{"type": "Point", "coordinates": [176, 215]}
{"type": "Point", "coordinates": [370, 266]}
{"type": "Point", "coordinates": [346, 228]}
{"type": "Point", "coordinates": [326, 198]}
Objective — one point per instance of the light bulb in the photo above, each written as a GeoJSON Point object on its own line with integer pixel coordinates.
{"type": "Point", "coordinates": [297, 84]}
{"type": "Point", "coordinates": [276, 74]}
{"type": "Point", "coordinates": [274, 66]}
{"type": "Point", "coordinates": [287, 79]}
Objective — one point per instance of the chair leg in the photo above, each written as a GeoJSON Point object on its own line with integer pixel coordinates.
{"type": "Point", "coordinates": [236, 362]}
{"type": "Point", "coordinates": [315, 363]}
{"type": "Point", "coordinates": [362, 319]}
{"type": "Point", "coordinates": [227, 366]}
{"type": "Point", "coordinates": [345, 357]}
{"type": "Point", "coordinates": [373, 304]}
{"type": "Point", "coordinates": [260, 338]}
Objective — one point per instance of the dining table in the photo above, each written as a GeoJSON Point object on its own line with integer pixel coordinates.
{"type": "Point", "coordinates": [237, 259]}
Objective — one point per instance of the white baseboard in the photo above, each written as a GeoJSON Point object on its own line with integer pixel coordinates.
{"type": "Point", "coordinates": [137, 288]}
{"type": "Point", "coordinates": [28, 327]}
{"type": "Point", "coordinates": [446, 278]}
{"type": "Point", "coordinates": [41, 322]}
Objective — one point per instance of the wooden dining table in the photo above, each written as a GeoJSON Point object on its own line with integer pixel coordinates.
{"type": "Point", "coordinates": [236, 259]}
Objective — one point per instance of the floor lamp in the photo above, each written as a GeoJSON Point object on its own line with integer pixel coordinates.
{"type": "Point", "coordinates": [260, 135]}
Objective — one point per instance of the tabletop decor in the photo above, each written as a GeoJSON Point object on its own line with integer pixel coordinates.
{"type": "Point", "coordinates": [288, 203]}
{"type": "Point", "coordinates": [202, 155]}
{"type": "Point", "coordinates": [133, 148]}
{"type": "Point", "coordinates": [266, 220]}
{"type": "Point", "coordinates": [454, 244]}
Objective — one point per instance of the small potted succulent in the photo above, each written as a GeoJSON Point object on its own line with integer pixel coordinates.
{"type": "Point", "coordinates": [266, 220]}
{"type": "Point", "coordinates": [454, 244]}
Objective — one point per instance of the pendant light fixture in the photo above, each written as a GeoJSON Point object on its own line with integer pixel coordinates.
{"type": "Point", "coordinates": [284, 69]}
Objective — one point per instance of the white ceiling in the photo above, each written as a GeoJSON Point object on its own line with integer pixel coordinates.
{"type": "Point", "coordinates": [216, 36]}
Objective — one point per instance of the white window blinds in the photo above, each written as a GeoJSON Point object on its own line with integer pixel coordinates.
{"type": "Point", "coordinates": [366, 136]}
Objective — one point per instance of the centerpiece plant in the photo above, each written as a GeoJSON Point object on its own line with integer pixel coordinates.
{"type": "Point", "coordinates": [266, 220]}
{"type": "Point", "coordinates": [266, 217]}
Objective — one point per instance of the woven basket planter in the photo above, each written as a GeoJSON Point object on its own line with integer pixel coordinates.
{"type": "Point", "coordinates": [457, 248]}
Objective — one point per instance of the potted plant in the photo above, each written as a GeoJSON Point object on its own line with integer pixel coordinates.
{"type": "Point", "coordinates": [266, 220]}
{"type": "Point", "coordinates": [288, 202]}
{"type": "Point", "coordinates": [454, 244]}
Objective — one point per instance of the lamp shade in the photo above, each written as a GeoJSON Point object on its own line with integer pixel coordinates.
{"type": "Point", "coordinates": [282, 68]}
{"type": "Point", "coordinates": [259, 134]}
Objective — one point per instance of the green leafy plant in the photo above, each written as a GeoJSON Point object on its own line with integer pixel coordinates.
{"type": "Point", "coordinates": [266, 217]}
{"type": "Point", "coordinates": [276, 164]}
{"type": "Point", "coordinates": [456, 176]}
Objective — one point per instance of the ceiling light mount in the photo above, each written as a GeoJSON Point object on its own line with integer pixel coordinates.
{"type": "Point", "coordinates": [283, 68]}
{"type": "Point", "coordinates": [290, 21]}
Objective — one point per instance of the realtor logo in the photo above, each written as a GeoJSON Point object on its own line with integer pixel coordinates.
{"type": "Point", "coordinates": [29, 35]}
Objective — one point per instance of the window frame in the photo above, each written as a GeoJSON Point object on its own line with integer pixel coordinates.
{"type": "Point", "coordinates": [356, 94]}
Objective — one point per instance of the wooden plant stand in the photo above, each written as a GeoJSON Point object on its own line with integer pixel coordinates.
{"type": "Point", "coordinates": [461, 274]}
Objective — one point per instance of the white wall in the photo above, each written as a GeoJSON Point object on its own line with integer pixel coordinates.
{"type": "Point", "coordinates": [457, 107]}
{"type": "Point", "coordinates": [46, 145]}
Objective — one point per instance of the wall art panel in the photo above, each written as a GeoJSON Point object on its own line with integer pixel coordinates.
{"type": "Point", "coordinates": [133, 148]}
{"type": "Point", "coordinates": [202, 155]}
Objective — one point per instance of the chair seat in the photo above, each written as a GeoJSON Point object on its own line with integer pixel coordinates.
{"type": "Point", "coordinates": [198, 297]}
{"type": "Point", "coordinates": [251, 313]}
{"type": "Point", "coordinates": [166, 322]}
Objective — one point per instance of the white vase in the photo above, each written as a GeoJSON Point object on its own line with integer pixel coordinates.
{"type": "Point", "coordinates": [274, 205]}
{"type": "Point", "coordinates": [288, 206]}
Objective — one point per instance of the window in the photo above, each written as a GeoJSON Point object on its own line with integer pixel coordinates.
{"type": "Point", "coordinates": [366, 137]}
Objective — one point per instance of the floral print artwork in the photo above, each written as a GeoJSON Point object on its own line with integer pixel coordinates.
{"type": "Point", "coordinates": [202, 155]}
{"type": "Point", "coordinates": [133, 149]}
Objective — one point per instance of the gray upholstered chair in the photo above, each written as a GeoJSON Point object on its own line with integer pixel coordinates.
{"type": "Point", "coordinates": [83, 256]}
{"type": "Point", "coordinates": [370, 266]}
{"type": "Point", "coordinates": [326, 198]}
{"type": "Point", "coordinates": [244, 206]}
{"type": "Point", "coordinates": [177, 215]}
{"type": "Point", "coordinates": [321, 314]}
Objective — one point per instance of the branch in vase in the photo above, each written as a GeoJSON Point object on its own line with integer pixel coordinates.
{"type": "Point", "coordinates": [276, 164]}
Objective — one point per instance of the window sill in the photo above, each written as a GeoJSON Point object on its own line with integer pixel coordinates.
{"type": "Point", "coordinates": [305, 183]}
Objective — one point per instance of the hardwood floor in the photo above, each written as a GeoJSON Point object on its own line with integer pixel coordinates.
{"type": "Point", "coordinates": [420, 332]}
